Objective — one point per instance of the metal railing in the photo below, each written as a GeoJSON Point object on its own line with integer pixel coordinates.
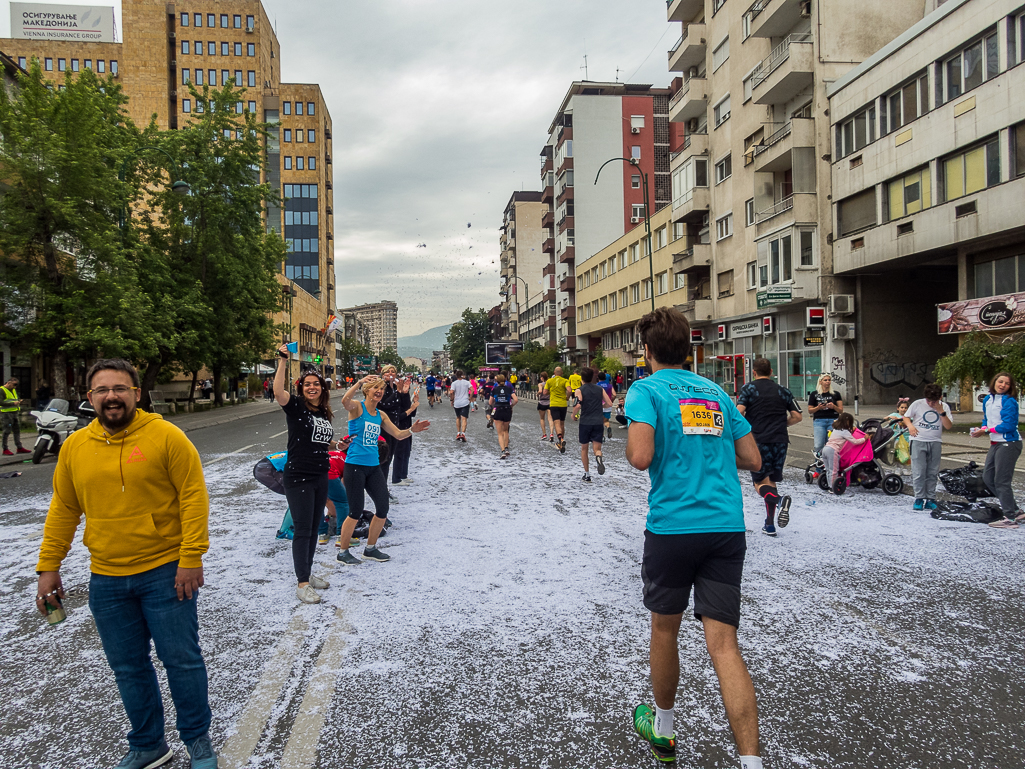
{"type": "Point", "coordinates": [778, 208]}
{"type": "Point", "coordinates": [779, 55]}
{"type": "Point", "coordinates": [774, 138]}
{"type": "Point", "coordinates": [676, 47]}
{"type": "Point", "coordinates": [756, 8]}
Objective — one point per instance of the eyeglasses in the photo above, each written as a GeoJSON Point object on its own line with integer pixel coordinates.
{"type": "Point", "coordinates": [116, 389]}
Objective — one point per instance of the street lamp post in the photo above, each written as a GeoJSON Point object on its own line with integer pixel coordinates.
{"type": "Point", "coordinates": [647, 217]}
{"type": "Point", "coordinates": [179, 187]}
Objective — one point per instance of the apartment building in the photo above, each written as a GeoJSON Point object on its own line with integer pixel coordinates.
{"type": "Point", "coordinates": [597, 122]}
{"type": "Point", "coordinates": [928, 178]}
{"type": "Point", "coordinates": [169, 45]}
{"type": "Point", "coordinates": [382, 319]}
{"type": "Point", "coordinates": [441, 362]}
{"type": "Point", "coordinates": [750, 183]}
{"type": "Point", "coordinates": [614, 290]}
{"type": "Point", "coordinates": [526, 292]}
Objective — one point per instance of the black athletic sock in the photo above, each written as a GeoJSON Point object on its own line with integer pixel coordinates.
{"type": "Point", "coordinates": [771, 500]}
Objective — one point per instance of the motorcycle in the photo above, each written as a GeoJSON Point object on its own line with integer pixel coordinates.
{"type": "Point", "coordinates": [54, 424]}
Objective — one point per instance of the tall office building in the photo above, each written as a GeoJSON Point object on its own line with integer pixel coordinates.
{"type": "Point", "coordinates": [382, 319]}
{"type": "Point", "coordinates": [526, 295]}
{"type": "Point", "coordinates": [169, 45]}
{"type": "Point", "coordinates": [594, 123]}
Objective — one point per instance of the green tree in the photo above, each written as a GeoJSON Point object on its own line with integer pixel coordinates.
{"type": "Point", "coordinates": [601, 362]}
{"type": "Point", "coordinates": [536, 358]}
{"type": "Point", "coordinates": [978, 359]}
{"type": "Point", "coordinates": [467, 339]}
{"type": "Point", "coordinates": [70, 286]}
{"type": "Point", "coordinates": [350, 348]}
{"type": "Point", "coordinates": [388, 356]}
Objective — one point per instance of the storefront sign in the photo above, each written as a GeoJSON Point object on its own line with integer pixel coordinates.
{"type": "Point", "coordinates": [990, 313]}
{"type": "Point", "coordinates": [815, 317]}
{"type": "Point", "coordinates": [814, 341]}
{"type": "Point", "coordinates": [745, 328]}
{"type": "Point", "coordinates": [768, 325]}
{"type": "Point", "coordinates": [773, 295]}
{"type": "Point", "coordinates": [721, 330]}
{"type": "Point", "coordinates": [74, 23]}
{"type": "Point", "coordinates": [697, 336]}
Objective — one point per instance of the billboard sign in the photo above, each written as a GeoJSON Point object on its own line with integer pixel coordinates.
{"type": "Point", "coordinates": [500, 353]}
{"type": "Point", "coordinates": [73, 23]}
{"type": "Point", "coordinates": [989, 314]}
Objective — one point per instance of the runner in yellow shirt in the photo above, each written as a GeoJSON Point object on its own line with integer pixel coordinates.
{"type": "Point", "coordinates": [557, 387]}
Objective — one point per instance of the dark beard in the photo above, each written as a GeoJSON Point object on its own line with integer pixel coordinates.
{"type": "Point", "coordinates": [112, 427]}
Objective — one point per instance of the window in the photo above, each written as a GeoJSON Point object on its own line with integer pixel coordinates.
{"type": "Point", "coordinates": [807, 248]}
{"type": "Point", "coordinates": [238, 108]}
{"type": "Point", "coordinates": [238, 49]}
{"type": "Point", "coordinates": [908, 195]}
{"type": "Point", "coordinates": [779, 254]}
{"type": "Point", "coordinates": [185, 77]}
{"type": "Point", "coordinates": [250, 49]}
{"type": "Point", "coordinates": [604, 305]}
{"type": "Point", "coordinates": [635, 293]}
{"type": "Point", "coordinates": [717, 4]}
{"type": "Point", "coordinates": [721, 111]}
{"type": "Point", "coordinates": [101, 65]}
{"type": "Point", "coordinates": [594, 275]}
{"type": "Point", "coordinates": [635, 152]}
{"type": "Point", "coordinates": [113, 66]}
{"type": "Point", "coordinates": [62, 65]}
{"type": "Point", "coordinates": [662, 283]}
{"type": "Point", "coordinates": [211, 77]}
{"type": "Point", "coordinates": [198, 48]}
{"type": "Point", "coordinates": [48, 64]}
{"type": "Point", "coordinates": [300, 135]}
{"type": "Point", "coordinates": [225, 49]}
{"type": "Point", "coordinates": [251, 106]}
{"type": "Point", "coordinates": [288, 163]}
{"type": "Point", "coordinates": [900, 107]}
{"type": "Point", "coordinates": [752, 275]}
{"type": "Point", "coordinates": [311, 110]}
{"type": "Point", "coordinates": [185, 20]}
{"type": "Point", "coordinates": [199, 77]}
{"type": "Point", "coordinates": [679, 280]}
{"type": "Point", "coordinates": [623, 297]}
{"type": "Point", "coordinates": [311, 163]}
{"type": "Point", "coordinates": [288, 135]}
{"type": "Point", "coordinates": [1018, 150]}
{"type": "Point", "coordinates": [186, 105]}
{"type": "Point", "coordinates": [660, 238]}
{"type": "Point", "coordinates": [197, 19]}
{"type": "Point", "coordinates": [250, 22]}
{"type": "Point", "coordinates": [237, 21]}
{"type": "Point", "coordinates": [970, 170]}
{"type": "Point", "coordinates": [968, 68]}
{"type": "Point", "coordinates": [288, 107]}
{"type": "Point", "coordinates": [724, 226]}
{"type": "Point", "coordinates": [635, 182]}
{"type": "Point", "coordinates": [1000, 276]}
{"type": "Point", "coordinates": [612, 266]}
{"type": "Point", "coordinates": [856, 132]}
{"type": "Point", "coordinates": [211, 48]}
{"type": "Point", "coordinates": [612, 302]}
{"type": "Point", "coordinates": [74, 65]}
{"type": "Point", "coordinates": [647, 289]}
{"type": "Point", "coordinates": [749, 212]}
{"type": "Point", "coordinates": [724, 169]}
{"type": "Point", "coordinates": [692, 174]}
{"type": "Point", "coordinates": [725, 283]}
{"type": "Point", "coordinates": [857, 212]}
{"type": "Point", "coordinates": [604, 271]}
{"type": "Point", "coordinates": [638, 211]}
{"type": "Point", "coordinates": [225, 76]}
{"type": "Point", "coordinates": [185, 46]}
{"type": "Point", "coordinates": [224, 21]}
{"type": "Point", "coordinates": [299, 163]}
{"type": "Point", "coordinates": [238, 78]}
{"type": "Point", "coordinates": [721, 53]}
{"type": "Point", "coordinates": [211, 20]}
{"type": "Point", "coordinates": [763, 275]}
{"type": "Point", "coordinates": [251, 78]}
{"type": "Point", "coordinates": [298, 108]}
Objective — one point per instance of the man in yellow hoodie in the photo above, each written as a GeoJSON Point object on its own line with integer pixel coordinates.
{"type": "Point", "coordinates": [139, 483]}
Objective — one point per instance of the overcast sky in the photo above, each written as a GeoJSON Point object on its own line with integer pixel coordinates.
{"type": "Point", "coordinates": [440, 109]}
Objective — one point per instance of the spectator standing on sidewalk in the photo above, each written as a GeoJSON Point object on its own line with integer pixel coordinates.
{"type": "Point", "coordinates": [770, 410]}
{"type": "Point", "coordinates": [1000, 423]}
{"type": "Point", "coordinates": [926, 419]}
{"type": "Point", "coordinates": [43, 395]}
{"type": "Point", "coordinates": [825, 406]}
{"type": "Point", "coordinates": [10, 415]}
{"type": "Point", "coordinates": [686, 432]}
{"type": "Point", "coordinates": [139, 483]}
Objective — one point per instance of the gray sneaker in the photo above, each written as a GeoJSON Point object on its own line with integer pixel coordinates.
{"type": "Point", "coordinates": [601, 464]}
{"type": "Point", "coordinates": [201, 753]}
{"type": "Point", "coordinates": [348, 558]}
{"type": "Point", "coordinates": [307, 594]}
{"type": "Point", "coordinates": [373, 554]}
{"type": "Point", "coordinates": [146, 759]}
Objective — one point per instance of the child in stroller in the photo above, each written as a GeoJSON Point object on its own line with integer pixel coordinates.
{"type": "Point", "coordinates": [860, 462]}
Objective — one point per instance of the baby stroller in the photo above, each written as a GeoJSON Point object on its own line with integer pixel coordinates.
{"type": "Point", "coordinates": [861, 465]}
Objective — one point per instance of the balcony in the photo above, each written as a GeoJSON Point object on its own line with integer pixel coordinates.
{"type": "Point", "coordinates": [568, 256]}
{"type": "Point", "coordinates": [690, 101]}
{"type": "Point", "coordinates": [548, 219]}
{"type": "Point", "coordinates": [774, 18]}
{"type": "Point", "coordinates": [569, 312]}
{"type": "Point", "coordinates": [696, 311]}
{"type": "Point", "coordinates": [692, 205]}
{"type": "Point", "coordinates": [565, 192]}
{"type": "Point", "coordinates": [694, 143]}
{"type": "Point", "coordinates": [568, 284]}
{"type": "Point", "coordinates": [548, 269]}
{"type": "Point", "coordinates": [786, 72]}
{"type": "Point", "coordinates": [799, 207]}
{"type": "Point", "coordinates": [548, 194]}
{"type": "Point", "coordinates": [697, 255]}
{"type": "Point", "coordinates": [565, 223]}
{"type": "Point", "coordinates": [683, 10]}
{"type": "Point", "coordinates": [776, 153]}
{"type": "Point", "coordinates": [546, 164]}
{"type": "Point", "coordinates": [548, 245]}
{"type": "Point", "coordinates": [689, 50]}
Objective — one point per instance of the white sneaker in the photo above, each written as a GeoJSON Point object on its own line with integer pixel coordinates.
{"type": "Point", "coordinates": [318, 583]}
{"type": "Point", "coordinates": [403, 482]}
{"type": "Point", "coordinates": [307, 594]}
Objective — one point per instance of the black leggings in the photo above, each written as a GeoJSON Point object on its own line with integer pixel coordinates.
{"type": "Point", "coordinates": [360, 478]}
{"type": "Point", "coordinates": [307, 496]}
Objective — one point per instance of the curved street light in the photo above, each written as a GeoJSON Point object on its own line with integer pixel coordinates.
{"type": "Point", "coordinates": [635, 162]}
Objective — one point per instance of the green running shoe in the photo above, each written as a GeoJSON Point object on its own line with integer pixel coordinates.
{"type": "Point", "coordinates": [663, 748]}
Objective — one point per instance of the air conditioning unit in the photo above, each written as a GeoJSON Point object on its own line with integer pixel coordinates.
{"type": "Point", "coordinates": [250, 30]}
{"type": "Point", "coordinates": [635, 130]}
{"type": "Point", "coordinates": [692, 72]}
{"type": "Point", "coordinates": [841, 304]}
{"type": "Point", "coordinates": [843, 331]}
{"type": "Point", "coordinates": [171, 35]}
{"type": "Point", "coordinates": [806, 9]}
{"type": "Point", "coordinates": [174, 62]}
{"type": "Point", "coordinates": [692, 125]}
{"type": "Point", "coordinates": [636, 219]}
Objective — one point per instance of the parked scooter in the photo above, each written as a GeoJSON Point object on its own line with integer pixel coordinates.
{"type": "Point", "coordinates": [55, 424]}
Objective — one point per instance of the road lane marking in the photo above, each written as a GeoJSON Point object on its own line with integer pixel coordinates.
{"type": "Point", "coordinates": [244, 448]}
{"type": "Point", "coordinates": [301, 749]}
{"type": "Point", "coordinates": [240, 746]}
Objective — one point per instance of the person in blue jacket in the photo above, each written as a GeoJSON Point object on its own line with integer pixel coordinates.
{"type": "Point", "coordinates": [1000, 423]}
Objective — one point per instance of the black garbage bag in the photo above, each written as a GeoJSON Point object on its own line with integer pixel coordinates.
{"type": "Point", "coordinates": [967, 512]}
{"type": "Point", "coordinates": [965, 482]}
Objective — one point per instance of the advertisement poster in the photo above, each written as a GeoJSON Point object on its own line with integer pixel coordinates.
{"type": "Point", "coordinates": [499, 353]}
{"type": "Point", "coordinates": [992, 313]}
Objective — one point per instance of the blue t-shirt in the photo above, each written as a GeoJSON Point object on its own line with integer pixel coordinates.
{"type": "Point", "coordinates": [365, 430]}
{"type": "Point", "coordinates": [431, 382]}
{"type": "Point", "coordinates": [694, 483]}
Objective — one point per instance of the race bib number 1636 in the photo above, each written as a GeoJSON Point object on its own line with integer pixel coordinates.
{"type": "Point", "coordinates": [701, 417]}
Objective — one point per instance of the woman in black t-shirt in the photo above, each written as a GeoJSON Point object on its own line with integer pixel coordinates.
{"type": "Point", "coordinates": [305, 478]}
{"type": "Point", "coordinates": [825, 406]}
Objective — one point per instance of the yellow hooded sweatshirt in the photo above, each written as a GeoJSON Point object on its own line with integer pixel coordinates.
{"type": "Point", "coordinates": [142, 493]}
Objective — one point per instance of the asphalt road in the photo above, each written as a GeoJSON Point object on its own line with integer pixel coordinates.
{"type": "Point", "coordinates": [508, 629]}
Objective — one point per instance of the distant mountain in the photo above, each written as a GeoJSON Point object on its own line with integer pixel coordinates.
{"type": "Point", "coordinates": [422, 345]}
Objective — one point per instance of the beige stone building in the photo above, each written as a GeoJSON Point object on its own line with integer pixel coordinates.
{"type": "Point", "coordinates": [527, 293]}
{"type": "Point", "coordinates": [382, 320]}
{"type": "Point", "coordinates": [928, 177]}
{"type": "Point", "coordinates": [167, 46]}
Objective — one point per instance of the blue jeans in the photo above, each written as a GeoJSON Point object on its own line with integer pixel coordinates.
{"type": "Point", "coordinates": [129, 612]}
{"type": "Point", "coordinates": [336, 493]}
{"type": "Point", "coordinates": [821, 428]}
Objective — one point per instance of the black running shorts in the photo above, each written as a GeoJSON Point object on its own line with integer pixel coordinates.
{"type": "Point", "coordinates": [462, 411]}
{"type": "Point", "coordinates": [542, 407]}
{"type": "Point", "coordinates": [558, 413]}
{"type": "Point", "coordinates": [774, 458]}
{"type": "Point", "coordinates": [592, 434]}
{"type": "Point", "coordinates": [712, 564]}
{"type": "Point", "coordinates": [502, 415]}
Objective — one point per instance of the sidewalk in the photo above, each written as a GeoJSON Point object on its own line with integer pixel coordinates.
{"type": "Point", "coordinates": [189, 422]}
